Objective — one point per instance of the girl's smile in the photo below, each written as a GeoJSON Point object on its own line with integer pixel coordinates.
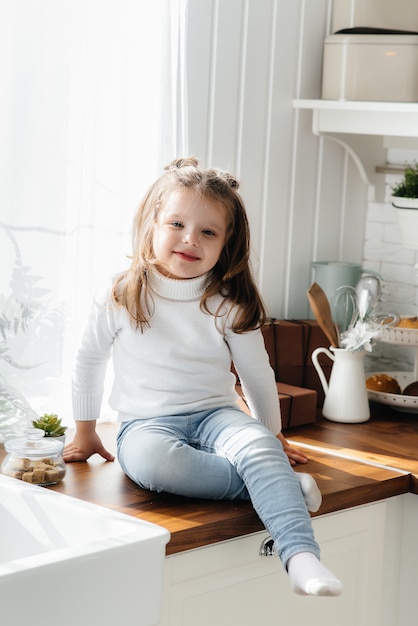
{"type": "Point", "coordinates": [189, 234]}
{"type": "Point", "coordinates": [187, 257]}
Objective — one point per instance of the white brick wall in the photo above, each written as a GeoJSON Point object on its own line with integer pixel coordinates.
{"type": "Point", "coordinates": [398, 267]}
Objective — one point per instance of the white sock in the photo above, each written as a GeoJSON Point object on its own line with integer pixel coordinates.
{"type": "Point", "coordinates": [310, 490]}
{"type": "Point", "coordinates": [308, 577]}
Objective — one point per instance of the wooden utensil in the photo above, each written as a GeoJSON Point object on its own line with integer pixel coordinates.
{"type": "Point", "coordinates": [321, 309]}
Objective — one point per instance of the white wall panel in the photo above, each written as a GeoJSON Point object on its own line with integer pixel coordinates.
{"type": "Point", "coordinates": [226, 77]}
{"type": "Point", "coordinates": [303, 199]}
{"type": "Point", "coordinates": [199, 84]}
{"type": "Point", "coordinates": [353, 216]}
{"type": "Point", "coordinates": [247, 60]}
{"type": "Point", "coordinates": [331, 173]}
{"type": "Point", "coordinates": [252, 157]}
{"type": "Point", "coordinates": [277, 200]}
{"type": "Point", "coordinates": [314, 27]}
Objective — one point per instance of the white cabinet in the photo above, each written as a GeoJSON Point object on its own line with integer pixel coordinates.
{"type": "Point", "coordinates": [407, 580]}
{"type": "Point", "coordinates": [229, 584]}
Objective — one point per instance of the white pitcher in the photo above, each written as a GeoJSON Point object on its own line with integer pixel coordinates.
{"type": "Point", "coordinates": [346, 394]}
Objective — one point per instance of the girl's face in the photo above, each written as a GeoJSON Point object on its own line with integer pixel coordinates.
{"type": "Point", "coordinates": [189, 234]}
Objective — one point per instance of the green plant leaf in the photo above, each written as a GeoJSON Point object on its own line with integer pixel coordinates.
{"type": "Point", "coordinates": [408, 187]}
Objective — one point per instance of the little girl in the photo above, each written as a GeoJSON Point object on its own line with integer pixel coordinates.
{"type": "Point", "coordinates": [175, 321]}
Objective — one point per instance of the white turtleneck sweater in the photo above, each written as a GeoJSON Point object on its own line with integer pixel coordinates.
{"type": "Point", "coordinates": [180, 364]}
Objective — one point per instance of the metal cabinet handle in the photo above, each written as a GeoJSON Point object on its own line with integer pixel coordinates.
{"type": "Point", "coordinates": [267, 547]}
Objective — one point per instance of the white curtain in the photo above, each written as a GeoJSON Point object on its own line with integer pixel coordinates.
{"type": "Point", "coordinates": [89, 115]}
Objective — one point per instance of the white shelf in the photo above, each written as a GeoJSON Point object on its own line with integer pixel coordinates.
{"type": "Point", "coordinates": [390, 119]}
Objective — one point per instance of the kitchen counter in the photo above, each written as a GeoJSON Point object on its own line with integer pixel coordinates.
{"type": "Point", "coordinates": [389, 439]}
{"type": "Point", "coordinates": [354, 464]}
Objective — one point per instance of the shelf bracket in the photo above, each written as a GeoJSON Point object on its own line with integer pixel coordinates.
{"type": "Point", "coordinates": [362, 171]}
{"type": "Point", "coordinates": [387, 119]}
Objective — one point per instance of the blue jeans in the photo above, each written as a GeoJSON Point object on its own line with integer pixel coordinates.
{"type": "Point", "coordinates": [221, 454]}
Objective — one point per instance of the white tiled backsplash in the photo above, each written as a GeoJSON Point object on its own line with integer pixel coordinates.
{"type": "Point", "coordinates": [398, 267]}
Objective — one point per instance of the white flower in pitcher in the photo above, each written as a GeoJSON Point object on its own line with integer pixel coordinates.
{"type": "Point", "coordinates": [359, 337]}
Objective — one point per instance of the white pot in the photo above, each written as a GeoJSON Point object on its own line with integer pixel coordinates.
{"type": "Point", "coordinates": [404, 203]}
{"type": "Point", "coordinates": [61, 439]}
{"type": "Point", "coordinates": [407, 215]}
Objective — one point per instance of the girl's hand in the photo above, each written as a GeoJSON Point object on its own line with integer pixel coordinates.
{"type": "Point", "coordinates": [76, 451]}
{"type": "Point", "coordinates": [86, 442]}
{"type": "Point", "coordinates": [294, 455]}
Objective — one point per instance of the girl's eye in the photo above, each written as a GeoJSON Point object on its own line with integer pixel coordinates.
{"type": "Point", "coordinates": [209, 232]}
{"type": "Point", "coordinates": [177, 224]}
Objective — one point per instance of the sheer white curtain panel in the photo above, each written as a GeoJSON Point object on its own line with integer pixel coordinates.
{"type": "Point", "coordinates": [88, 91]}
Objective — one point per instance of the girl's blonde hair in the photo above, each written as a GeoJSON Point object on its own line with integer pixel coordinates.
{"type": "Point", "coordinates": [231, 276]}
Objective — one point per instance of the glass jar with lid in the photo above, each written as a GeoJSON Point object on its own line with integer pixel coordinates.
{"type": "Point", "coordinates": [34, 458]}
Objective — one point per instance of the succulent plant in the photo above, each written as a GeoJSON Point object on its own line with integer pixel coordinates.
{"type": "Point", "coordinates": [50, 424]}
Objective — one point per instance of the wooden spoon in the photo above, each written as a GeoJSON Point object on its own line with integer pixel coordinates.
{"type": "Point", "coordinates": [321, 309]}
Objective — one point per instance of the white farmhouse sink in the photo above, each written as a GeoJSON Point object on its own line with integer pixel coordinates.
{"type": "Point", "coordinates": [67, 562]}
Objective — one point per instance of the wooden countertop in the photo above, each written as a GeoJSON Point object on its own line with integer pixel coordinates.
{"type": "Point", "coordinates": [388, 439]}
{"type": "Point", "coordinates": [353, 464]}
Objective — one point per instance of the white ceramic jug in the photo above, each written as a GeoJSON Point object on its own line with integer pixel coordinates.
{"type": "Point", "coordinates": [346, 394]}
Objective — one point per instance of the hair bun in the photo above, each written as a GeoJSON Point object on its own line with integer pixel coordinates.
{"type": "Point", "coordinates": [217, 176]}
{"type": "Point", "coordinates": [185, 162]}
{"type": "Point", "coordinates": [231, 180]}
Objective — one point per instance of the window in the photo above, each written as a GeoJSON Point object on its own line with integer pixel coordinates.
{"type": "Point", "coordinates": [87, 124]}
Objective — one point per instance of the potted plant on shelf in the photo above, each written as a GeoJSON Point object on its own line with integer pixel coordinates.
{"type": "Point", "coordinates": [405, 200]}
{"type": "Point", "coordinates": [50, 423]}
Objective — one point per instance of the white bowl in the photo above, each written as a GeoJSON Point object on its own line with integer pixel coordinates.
{"type": "Point", "coordinates": [399, 402]}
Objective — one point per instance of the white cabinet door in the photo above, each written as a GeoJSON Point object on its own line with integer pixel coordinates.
{"type": "Point", "coordinates": [408, 579]}
{"type": "Point", "coordinates": [229, 584]}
